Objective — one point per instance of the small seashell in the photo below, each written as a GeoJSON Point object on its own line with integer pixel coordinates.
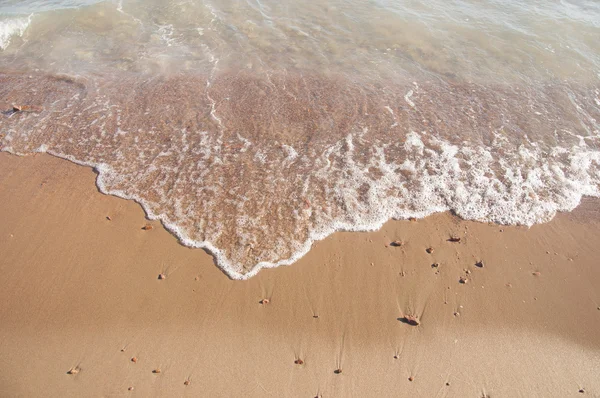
{"type": "Point", "coordinates": [73, 371]}
{"type": "Point", "coordinates": [187, 382]}
{"type": "Point", "coordinates": [412, 320]}
{"type": "Point", "coordinates": [147, 227]}
{"type": "Point", "coordinates": [397, 243]}
{"type": "Point", "coordinates": [26, 108]}
{"type": "Point", "coordinates": [457, 314]}
{"type": "Point", "coordinates": [162, 276]}
{"type": "Point", "coordinates": [134, 360]}
{"type": "Point", "coordinates": [264, 301]}
{"type": "Point", "coordinates": [429, 250]}
{"type": "Point", "coordinates": [299, 362]}
{"type": "Point", "coordinates": [454, 239]}
{"type": "Point", "coordinates": [464, 280]}
{"type": "Point", "coordinates": [156, 371]}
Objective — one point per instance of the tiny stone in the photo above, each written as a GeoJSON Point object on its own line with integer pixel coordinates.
{"type": "Point", "coordinates": [536, 273]}
{"type": "Point", "coordinates": [337, 371]}
{"type": "Point", "coordinates": [156, 371]}
{"type": "Point", "coordinates": [299, 362]}
{"type": "Point", "coordinates": [411, 378]}
{"type": "Point", "coordinates": [582, 391]}
{"type": "Point", "coordinates": [448, 383]}
{"type": "Point", "coordinates": [429, 250]}
{"type": "Point", "coordinates": [463, 280]}
{"type": "Point", "coordinates": [162, 276]}
{"type": "Point", "coordinates": [147, 227]}
{"type": "Point", "coordinates": [130, 388]}
{"type": "Point", "coordinates": [187, 382]}
{"type": "Point", "coordinates": [134, 360]}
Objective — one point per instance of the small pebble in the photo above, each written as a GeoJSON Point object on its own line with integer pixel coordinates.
{"type": "Point", "coordinates": [134, 359]}
{"type": "Point", "coordinates": [73, 371]}
{"type": "Point", "coordinates": [187, 382]}
{"type": "Point", "coordinates": [147, 227]}
{"type": "Point", "coordinates": [581, 391]}
{"type": "Point", "coordinates": [108, 218]}
{"type": "Point", "coordinates": [435, 265]}
{"type": "Point", "coordinates": [429, 250]}
{"type": "Point", "coordinates": [536, 273]}
{"type": "Point", "coordinates": [397, 243]}
{"type": "Point", "coordinates": [463, 280]}
{"type": "Point", "coordinates": [338, 371]}
{"type": "Point", "coordinates": [447, 383]}
{"type": "Point", "coordinates": [264, 301]}
{"type": "Point", "coordinates": [130, 388]}
{"type": "Point", "coordinates": [411, 378]}
{"type": "Point", "coordinates": [156, 371]}
{"type": "Point", "coordinates": [299, 362]}
{"type": "Point", "coordinates": [162, 276]}
{"type": "Point", "coordinates": [479, 264]}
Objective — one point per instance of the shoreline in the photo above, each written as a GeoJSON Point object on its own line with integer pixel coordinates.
{"type": "Point", "coordinates": [78, 288]}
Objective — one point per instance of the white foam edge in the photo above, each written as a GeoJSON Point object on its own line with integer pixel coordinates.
{"type": "Point", "coordinates": [222, 261]}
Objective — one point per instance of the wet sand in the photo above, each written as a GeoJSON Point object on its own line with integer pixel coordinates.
{"type": "Point", "coordinates": [80, 291]}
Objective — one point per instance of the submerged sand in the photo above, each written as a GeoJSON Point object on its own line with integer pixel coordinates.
{"type": "Point", "coordinates": [80, 291]}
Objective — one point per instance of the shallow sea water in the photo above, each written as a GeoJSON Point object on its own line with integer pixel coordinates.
{"type": "Point", "coordinates": [254, 128]}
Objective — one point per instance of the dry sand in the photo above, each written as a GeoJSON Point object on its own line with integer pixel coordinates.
{"type": "Point", "coordinates": [79, 291]}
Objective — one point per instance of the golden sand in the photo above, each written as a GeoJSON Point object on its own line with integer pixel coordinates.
{"type": "Point", "coordinates": [81, 299]}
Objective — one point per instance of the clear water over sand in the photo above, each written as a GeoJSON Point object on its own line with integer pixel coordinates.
{"type": "Point", "coordinates": [253, 128]}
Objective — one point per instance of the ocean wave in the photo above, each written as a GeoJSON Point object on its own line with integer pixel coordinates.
{"type": "Point", "coordinates": [11, 27]}
{"type": "Point", "coordinates": [255, 169]}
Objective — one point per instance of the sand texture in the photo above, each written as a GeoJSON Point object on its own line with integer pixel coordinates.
{"type": "Point", "coordinates": [80, 291]}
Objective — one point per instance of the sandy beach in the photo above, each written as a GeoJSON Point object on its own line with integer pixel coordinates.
{"type": "Point", "coordinates": [84, 313]}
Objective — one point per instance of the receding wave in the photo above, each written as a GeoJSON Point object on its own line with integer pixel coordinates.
{"type": "Point", "coordinates": [255, 168]}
